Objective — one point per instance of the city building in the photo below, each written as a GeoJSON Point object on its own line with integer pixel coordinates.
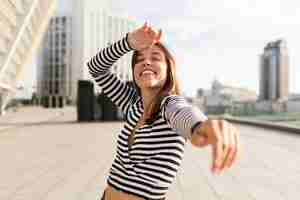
{"type": "Point", "coordinates": [89, 26]}
{"type": "Point", "coordinates": [95, 27]}
{"type": "Point", "coordinates": [274, 72]}
{"type": "Point", "coordinates": [222, 97]}
{"type": "Point", "coordinates": [54, 63]}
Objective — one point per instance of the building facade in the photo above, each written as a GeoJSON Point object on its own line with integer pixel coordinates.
{"type": "Point", "coordinates": [222, 97]}
{"type": "Point", "coordinates": [274, 72]}
{"type": "Point", "coordinates": [78, 31]}
{"type": "Point", "coordinates": [94, 28]}
{"type": "Point", "coordinates": [54, 65]}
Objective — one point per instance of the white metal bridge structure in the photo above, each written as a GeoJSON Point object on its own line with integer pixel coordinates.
{"type": "Point", "coordinates": [22, 24]}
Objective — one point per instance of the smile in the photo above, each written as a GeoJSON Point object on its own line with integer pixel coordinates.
{"type": "Point", "coordinates": [147, 72]}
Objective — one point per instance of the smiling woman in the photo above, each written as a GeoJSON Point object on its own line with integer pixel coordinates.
{"type": "Point", "coordinates": [158, 121]}
{"type": "Point", "coordinates": [154, 70]}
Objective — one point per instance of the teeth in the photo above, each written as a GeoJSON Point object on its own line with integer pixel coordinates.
{"type": "Point", "coordinates": [147, 72]}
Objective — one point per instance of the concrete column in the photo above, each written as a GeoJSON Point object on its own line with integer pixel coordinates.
{"type": "Point", "coordinates": [1, 106]}
{"type": "Point", "coordinates": [50, 101]}
{"type": "Point", "coordinates": [64, 101]}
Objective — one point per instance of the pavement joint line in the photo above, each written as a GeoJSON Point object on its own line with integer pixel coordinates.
{"type": "Point", "coordinates": [265, 124]}
{"type": "Point", "coordinates": [45, 172]}
{"type": "Point", "coordinates": [215, 192]}
{"type": "Point", "coordinates": [23, 185]}
{"type": "Point", "coordinates": [258, 175]}
{"type": "Point", "coordinates": [180, 186]}
{"type": "Point", "coordinates": [4, 130]}
{"type": "Point", "coordinates": [59, 181]}
{"type": "Point", "coordinates": [99, 172]}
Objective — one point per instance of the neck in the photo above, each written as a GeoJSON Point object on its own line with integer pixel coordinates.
{"type": "Point", "coordinates": [148, 96]}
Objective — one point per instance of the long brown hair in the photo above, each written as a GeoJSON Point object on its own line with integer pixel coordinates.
{"type": "Point", "coordinates": [170, 87]}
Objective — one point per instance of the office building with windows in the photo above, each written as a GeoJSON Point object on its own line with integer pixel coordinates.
{"type": "Point", "coordinates": [95, 27]}
{"type": "Point", "coordinates": [274, 72]}
{"type": "Point", "coordinates": [77, 32]}
{"type": "Point", "coordinates": [54, 63]}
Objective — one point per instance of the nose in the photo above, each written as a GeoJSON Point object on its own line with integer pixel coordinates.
{"type": "Point", "coordinates": [147, 62]}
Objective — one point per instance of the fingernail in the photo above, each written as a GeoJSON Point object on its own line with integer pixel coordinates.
{"type": "Point", "coordinates": [216, 171]}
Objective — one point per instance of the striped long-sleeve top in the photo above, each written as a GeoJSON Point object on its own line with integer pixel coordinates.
{"type": "Point", "coordinates": [148, 168]}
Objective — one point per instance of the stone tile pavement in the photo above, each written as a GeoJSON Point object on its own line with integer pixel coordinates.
{"type": "Point", "coordinates": [46, 155]}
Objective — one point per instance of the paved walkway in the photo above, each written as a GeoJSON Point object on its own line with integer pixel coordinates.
{"type": "Point", "coordinates": [46, 155]}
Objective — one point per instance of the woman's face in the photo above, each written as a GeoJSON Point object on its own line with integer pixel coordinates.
{"type": "Point", "coordinates": [150, 70]}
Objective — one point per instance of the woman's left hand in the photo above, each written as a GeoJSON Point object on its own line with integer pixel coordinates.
{"type": "Point", "coordinates": [224, 139]}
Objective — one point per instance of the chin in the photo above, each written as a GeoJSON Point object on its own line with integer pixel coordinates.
{"type": "Point", "coordinates": [151, 85]}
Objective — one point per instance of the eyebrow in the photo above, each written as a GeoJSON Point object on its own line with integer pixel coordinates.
{"type": "Point", "coordinates": [153, 53]}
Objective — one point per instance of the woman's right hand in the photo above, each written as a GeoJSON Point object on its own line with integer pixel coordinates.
{"type": "Point", "coordinates": [143, 37]}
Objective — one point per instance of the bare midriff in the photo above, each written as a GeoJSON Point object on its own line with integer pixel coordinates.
{"type": "Point", "coordinates": [113, 194]}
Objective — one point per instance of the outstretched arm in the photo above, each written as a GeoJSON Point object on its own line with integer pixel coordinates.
{"type": "Point", "coordinates": [182, 116]}
{"type": "Point", "coordinates": [224, 140]}
{"type": "Point", "coordinates": [194, 125]}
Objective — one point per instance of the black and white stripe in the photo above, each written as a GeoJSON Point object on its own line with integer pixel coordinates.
{"type": "Point", "coordinates": [150, 166]}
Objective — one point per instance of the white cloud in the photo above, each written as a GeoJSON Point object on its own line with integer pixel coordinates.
{"type": "Point", "coordinates": [223, 38]}
{"type": "Point", "coordinates": [218, 38]}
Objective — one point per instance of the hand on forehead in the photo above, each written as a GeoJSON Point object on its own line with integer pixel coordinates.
{"type": "Point", "coordinates": [150, 50]}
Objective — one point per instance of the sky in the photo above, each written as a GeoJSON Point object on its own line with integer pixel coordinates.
{"type": "Point", "coordinates": [220, 39]}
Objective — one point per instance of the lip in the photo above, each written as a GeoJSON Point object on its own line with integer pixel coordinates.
{"type": "Point", "coordinates": [147, 70]}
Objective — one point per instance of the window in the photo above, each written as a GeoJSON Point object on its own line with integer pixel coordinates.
{"type": "Point", "coordinates": [50, 71]}
{"type": "Point", "coordinates": [64, 19]}
{"type": "Point", "coordinates": [63, 51]}
{"type": "Point", "coordinates": [56, 87]}
{"type": "Point", "coordinates": [56, 71]}
{"type": "Point", "coordinates": [50, 87]}
{"type": "Point", "coordinates": [63, 71]}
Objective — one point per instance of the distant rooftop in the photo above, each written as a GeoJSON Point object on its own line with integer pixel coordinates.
{"type": "Point", "coordinates": [280, 43]}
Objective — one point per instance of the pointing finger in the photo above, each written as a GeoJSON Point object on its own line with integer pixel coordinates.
{"type": "Point", "coordinates": [217, 146]}
{"type": "Point", "coordinates": [237, 146]}
{"type": "Point", "coordinates": [231, 147]}
{"type": "Point", "coordinates": [217, 157]}
{"type": "Point", "coordinates": [225, 132]}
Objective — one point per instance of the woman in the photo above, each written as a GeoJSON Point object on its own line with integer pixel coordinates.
{"type": "Point", "coordinates": [158, 121]}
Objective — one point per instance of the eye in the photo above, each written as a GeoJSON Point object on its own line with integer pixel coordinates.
{"type": "Point", "coordinates": [156, 58]}
{"type": "Point", "coordinates": [139, 60]}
